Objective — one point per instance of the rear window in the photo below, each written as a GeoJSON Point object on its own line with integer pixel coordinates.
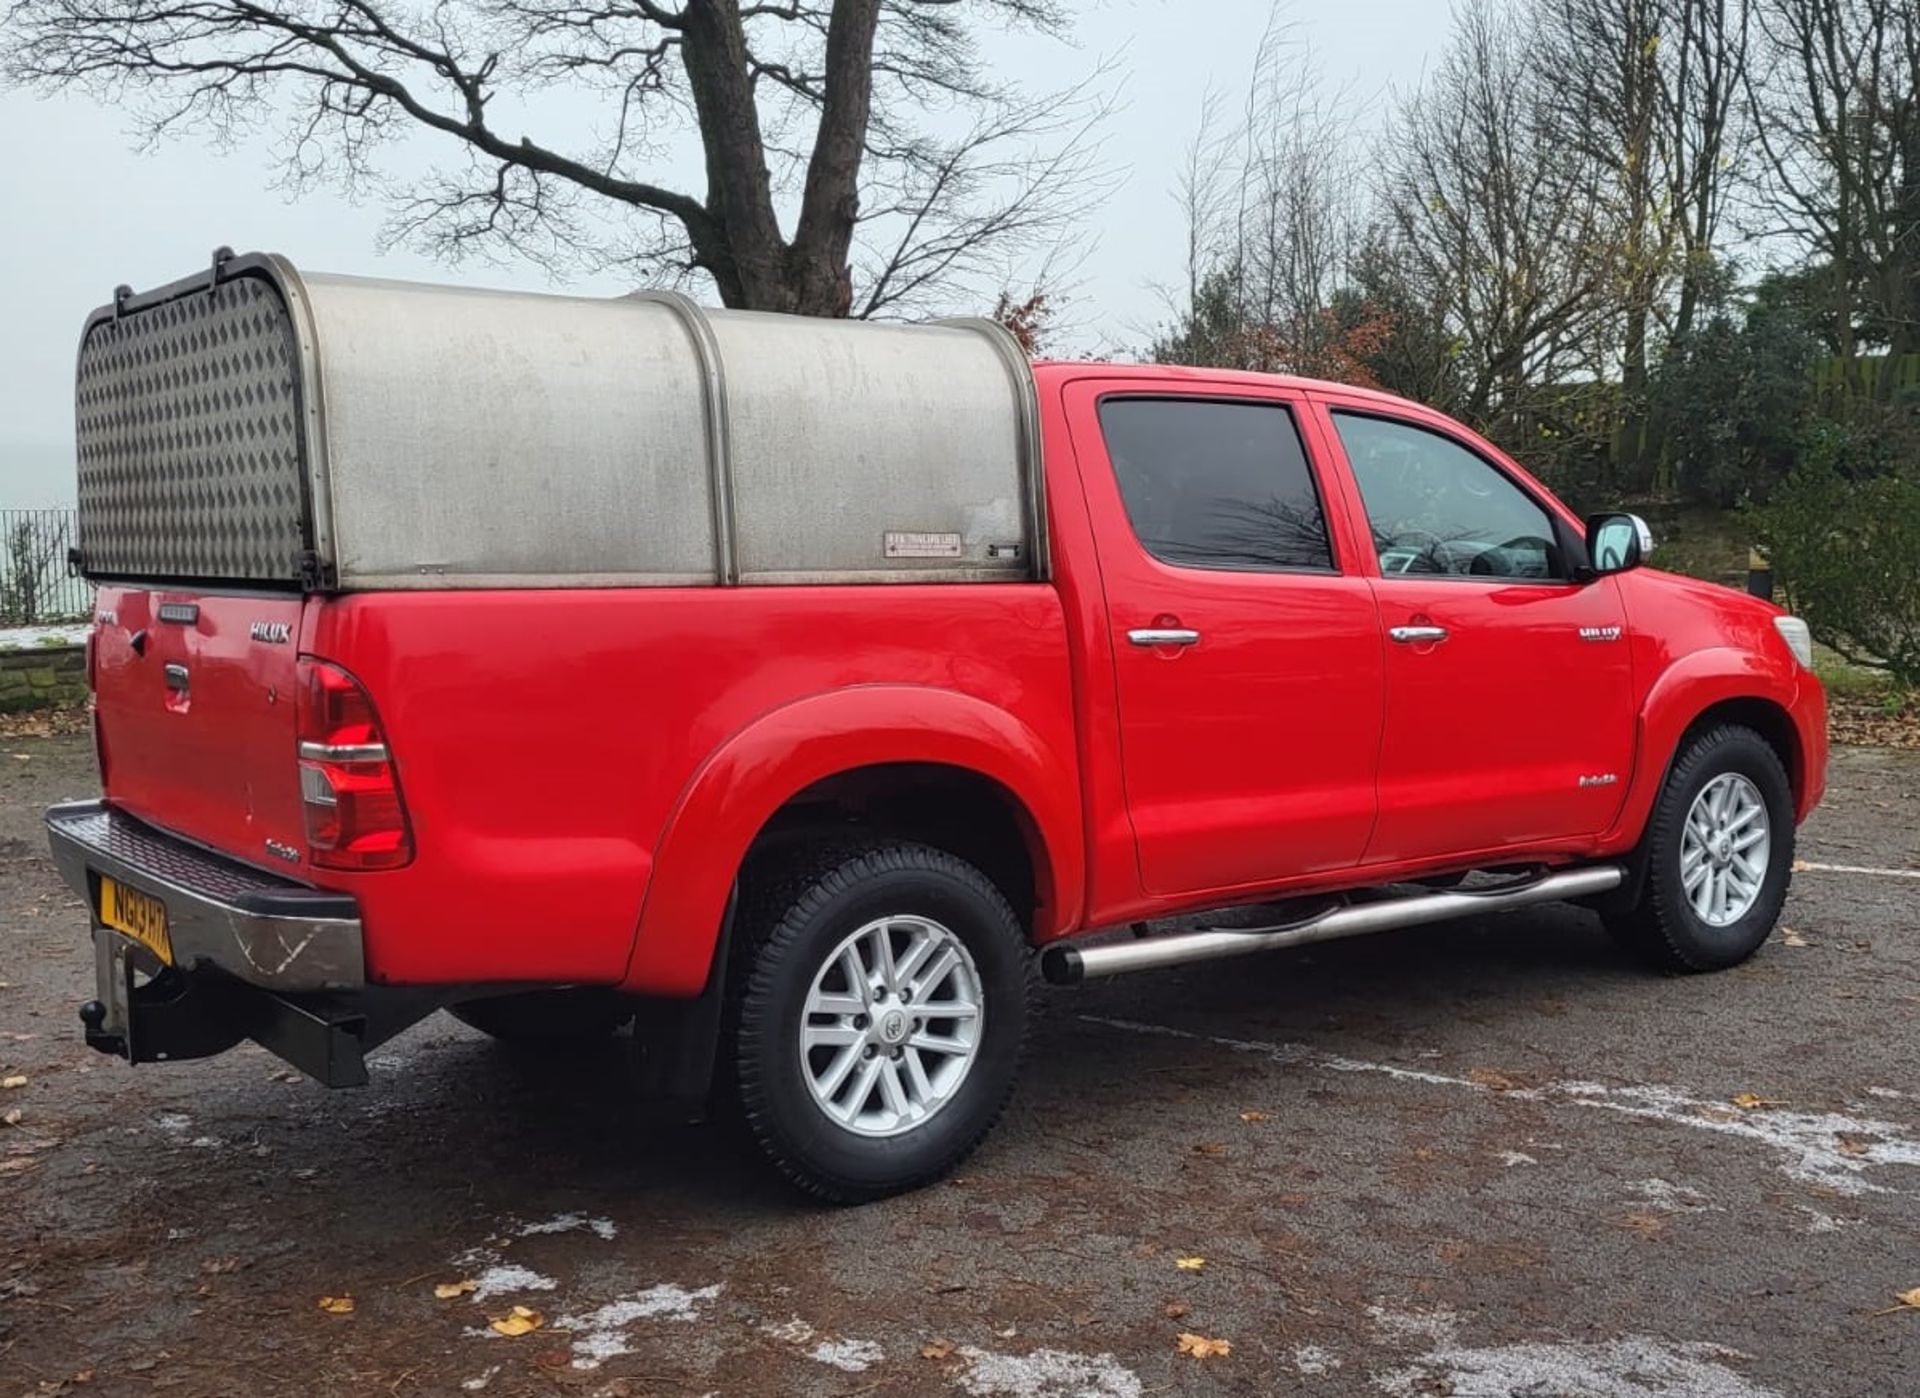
{"type": "Point", "coordinates": [1211, 484]}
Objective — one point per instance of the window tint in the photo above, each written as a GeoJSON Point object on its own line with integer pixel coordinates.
{"type": "Point", "coordinates": [1436, 508]}
{"type": "Point", "coordinates": [1216, 485]}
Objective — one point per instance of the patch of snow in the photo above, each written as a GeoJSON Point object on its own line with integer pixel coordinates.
{"type": "Point", "coordinates": [854, 1356]}
{"type": "Point", "coordinates": [1510, 1158]}
{"type": "Point", "coordinates": [172, 1122]}
{"type": "Point", "coordinates": [205, 1143]}
{"type": "Point", "coordinates": [1046, 1373]}
{"type": "Point", "coordinates": [1436, 1326]}
{"type": "Point", "coordinates": [507, 1279]}
{"type": "Point", "coordinates": [1818, 1222]}
{"type": "Point", "coordinates": [1676, 1198]}
{"type": "Point", "coordinates": [1635, 1367]}
{"type": "Point", "coordinates": [1808, 1142]}
{"type": "Point", "coordinates": [571, 1223]}
{"type": "Point", "coordinates": [42, 637]}
{"type": "Point", "coordinates": [601, 1335]}
{"type": "Point", "coordinates": [1311, 1360]}
{"type": "Point", "coordinates": [793, 1332]}
{"type": "Point", "coordinates": [1890, 1093]}
{"type": "Point", "coordinates": [479, 1381]}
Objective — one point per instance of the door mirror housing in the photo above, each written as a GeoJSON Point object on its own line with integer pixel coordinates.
{"type": "Point", "coordinates": [1617, 542]}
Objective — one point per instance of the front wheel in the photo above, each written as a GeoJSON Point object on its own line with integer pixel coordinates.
{"type": "Point", "coordinates": [881, 1020]}
{"type": "Point", "coordinates": [1719, 849]}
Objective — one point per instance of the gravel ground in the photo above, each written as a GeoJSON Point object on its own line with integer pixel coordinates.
{"type": "Point", "coordinates": [1483, 1160]}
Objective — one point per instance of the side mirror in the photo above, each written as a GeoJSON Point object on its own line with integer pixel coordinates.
{"type": "Point", "coordinates": [1616, 543]}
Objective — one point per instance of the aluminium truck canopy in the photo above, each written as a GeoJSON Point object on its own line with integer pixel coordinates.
{"type": "Point", "coordinates": [256, 425]}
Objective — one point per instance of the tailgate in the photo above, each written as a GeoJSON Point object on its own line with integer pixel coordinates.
{"type": "Point", "coordinates": [196, 713]}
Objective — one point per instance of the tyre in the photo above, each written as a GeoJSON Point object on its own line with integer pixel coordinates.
{"type": "Point", "coordinates": [1719, 852]}
{"type": "Point", "coordinates": [879, 1018]}
{"type": "Point", "coordinates": [572, 1016]}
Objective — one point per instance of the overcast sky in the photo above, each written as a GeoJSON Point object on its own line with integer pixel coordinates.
{"type": "Point", "coordinates": [81, 209]}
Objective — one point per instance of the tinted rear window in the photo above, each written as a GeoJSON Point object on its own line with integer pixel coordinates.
{"type": "Point", "coordinates": [1216, 485]}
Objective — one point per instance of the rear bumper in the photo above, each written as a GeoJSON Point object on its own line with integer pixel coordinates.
{"type": "Point", "coordinates": [266, 932]}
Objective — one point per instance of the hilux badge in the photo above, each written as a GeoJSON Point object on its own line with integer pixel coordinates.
{"type": "Point", "coordinates": [273, 633]}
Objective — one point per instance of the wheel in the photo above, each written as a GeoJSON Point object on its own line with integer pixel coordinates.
{"type": "Point", "coordinates": [574, 1015]}
{"type": "Point", "coordinates": [1719, 850]}
{"type": "Point", "coordinates": [880, 1017]}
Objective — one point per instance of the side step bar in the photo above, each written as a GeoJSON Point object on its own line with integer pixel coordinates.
{"type": "Point", "coordinates": [1066, 965]}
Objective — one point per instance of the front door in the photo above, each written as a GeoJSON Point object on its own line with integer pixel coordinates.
{"type": "Point", "coordinates": [1248, 663]}
{"type": "Point", "coordinates": [1509, 690]}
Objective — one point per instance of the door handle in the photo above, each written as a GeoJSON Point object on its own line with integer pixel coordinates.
{"type": "Point", "coordinates": [1163, 636]}
{"type": "Point", "coordinates": [1413, 635]}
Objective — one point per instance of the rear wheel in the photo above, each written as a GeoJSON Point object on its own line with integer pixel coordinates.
{"type": "Point", "coordinates": [1719, 850]}
{"type": "Point", "coordinates": [576, 1015]}
{"type": "Point", "coordinates": [880, 1018]}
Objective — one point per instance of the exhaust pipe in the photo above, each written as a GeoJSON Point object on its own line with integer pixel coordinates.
{"type": "Point", "coordinates": [1065, 965]}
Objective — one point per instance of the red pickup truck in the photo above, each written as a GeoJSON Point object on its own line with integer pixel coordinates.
{"type": "Point", "coordinates": [789, 689]}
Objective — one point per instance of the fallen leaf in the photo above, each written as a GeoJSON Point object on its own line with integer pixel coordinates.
{"type": "Point", "coordinates": [215, 1266]}
{"type": "Point", "coordinates": [1210, 1148]}
{"type": "Point", "coordinates": [1851, 1146]}
{"type": "Point", "coordinates": [1487, 1077]}
{"type": "Point", "coordinates": [1751, 1101]}
{"type": "Point", "coordinates": [1256, 1116]}
{"type": "Point", "coordinates": [1200, 1347]}
{"type": "Point", "coordinates": [1908, 1301]}
{"type": "Point", "coordinates": [1791, 938]}
{"type": "Point", "coordinates": [16, 1080]}
{"type": "Point", "coordinates": [1189, 1264]}
{"type": "Point", "coordinates": [337, 1305]}
{"type": "Point", "coordinates": [1176, 1309]}
{"type": "Point", "coordinates": [13, 1165]}
{"type": "Point", "coordinates": [1646, 1225]}
{"type": "Point", "coordinates": [519, 1321]}
{"type": "Point", "coordinates": [12, 1116]}
{"type": "Point", "coordinates": [446, 1291]}
{"type": "Point", "coordinates": [936, 1349]}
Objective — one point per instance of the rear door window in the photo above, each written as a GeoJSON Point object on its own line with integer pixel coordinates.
{"type": "Point", "coordinates": [1215, 484]}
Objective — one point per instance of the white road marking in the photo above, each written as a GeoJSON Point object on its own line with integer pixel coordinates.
{"type": "Point", "coordinates": [1801, 866]}
{"type": "Point", "coordinates": [1810, 1142]}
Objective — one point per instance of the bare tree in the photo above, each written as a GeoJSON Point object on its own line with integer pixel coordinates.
{"type": "Point", "coordinates": [811, 118]}
{"type": "Point", "coordinates": [1709, 141]}
{"type": "Point", "coordinates": [1837, 112]}
{"type": "Point", "coordinates": [1501, 226]}
{"type": "Point", "coordinates": [1648, 92]}
{"type": "Point", "coordinates": [1273, 207]}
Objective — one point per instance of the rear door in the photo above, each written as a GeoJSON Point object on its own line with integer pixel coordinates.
{"type": "Point", "coordinates": [1510, 717]}
{"type": "Point", "coordinates": [197, 716]}
{"type": "Point", "coordinates": [1247, 662]}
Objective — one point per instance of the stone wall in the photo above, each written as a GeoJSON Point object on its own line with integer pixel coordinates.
{"type": "Point", "coordinates": [42, 677]}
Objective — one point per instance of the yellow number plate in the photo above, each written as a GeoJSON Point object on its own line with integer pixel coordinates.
{"type": "Point", "coordinates": [140, 915]}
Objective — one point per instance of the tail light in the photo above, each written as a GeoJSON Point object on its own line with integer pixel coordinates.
{"type": "Point", "coordinates": [355, 817]}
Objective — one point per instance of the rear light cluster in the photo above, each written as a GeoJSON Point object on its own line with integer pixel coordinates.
{"type": "Point", "coordinates": [355, 817]}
